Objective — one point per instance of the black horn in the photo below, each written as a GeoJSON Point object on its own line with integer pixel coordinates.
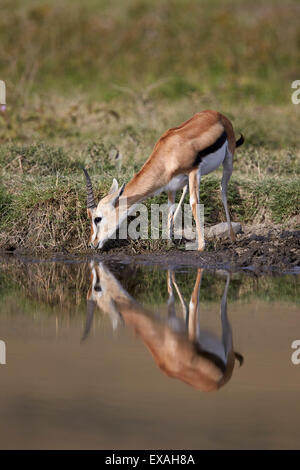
{"type": "Point", "coordinates": [89, 189]}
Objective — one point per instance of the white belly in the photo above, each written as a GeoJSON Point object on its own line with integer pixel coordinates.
{"type": "Point", "coordinates": [213, 160]}
{"type": "Point", "coordinates": [176, 183]}
{"type": "Point", "coordinates": [211, 343]}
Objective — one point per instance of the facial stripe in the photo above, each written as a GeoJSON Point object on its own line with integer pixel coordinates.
{"type": "Point", "coordinates": [92, 232]}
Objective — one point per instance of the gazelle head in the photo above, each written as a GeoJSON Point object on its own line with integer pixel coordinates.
{"type": "Point", "coordinates": [104, 216]}
{"type": "Point", "coordinates": [103, 292]}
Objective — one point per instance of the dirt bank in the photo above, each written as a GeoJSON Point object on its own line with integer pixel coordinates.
{"type": "Point", "coordinates": [259, 248]}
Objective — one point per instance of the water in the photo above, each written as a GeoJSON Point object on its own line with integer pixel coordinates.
{"type": "Point", "coordinates": [156, 358]}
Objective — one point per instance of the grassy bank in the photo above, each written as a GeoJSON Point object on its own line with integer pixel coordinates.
{"type": "Point", "coordinates": [86, 81]}
{"type": "Point", "coordinates": [42, 191]}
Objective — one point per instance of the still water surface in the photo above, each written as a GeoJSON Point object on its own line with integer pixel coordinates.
{"type": "Point", "coordinates": [125, 356]}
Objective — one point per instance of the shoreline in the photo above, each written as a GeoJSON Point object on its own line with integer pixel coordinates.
{"type": "Point", "coordinates": [264, 250]}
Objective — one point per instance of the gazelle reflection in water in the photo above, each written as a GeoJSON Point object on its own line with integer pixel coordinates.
{"type": "Point", "coordinates": [179, 347]}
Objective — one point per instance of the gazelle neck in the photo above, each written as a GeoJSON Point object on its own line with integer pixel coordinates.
{"type": "Point", "coordinates": [146, 182]}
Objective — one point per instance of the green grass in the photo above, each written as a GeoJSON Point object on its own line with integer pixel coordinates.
{"type": "Point", "coordinates": [42, 188]}
{"type": "Point", "coordinates": [236, 49]}
{"type": "Point", "coordinates": [51, 214]}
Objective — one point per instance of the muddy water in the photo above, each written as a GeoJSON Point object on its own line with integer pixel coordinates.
{"type": "Point", "coordinates": [182, 359]}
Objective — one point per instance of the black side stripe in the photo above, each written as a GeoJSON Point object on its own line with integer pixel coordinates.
{"type": "Point", "coordinates": [211, 149]}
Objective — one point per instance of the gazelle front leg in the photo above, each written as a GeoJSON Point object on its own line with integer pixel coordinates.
{"type": "Point", "coordinates": [185, 188]}
{"type": "Point", "coordinates": [194, 184]}
{"type": "Point", "coordinates": [227, 171]}
{"type": "Point", "coordinates": [182, 301]}
{"type": "Point", "coordinates": [172, 213]}
{"type": "Point", "coordinates": [173, 320]}
{"type": "Point", "coordinates": [171, 299]}
{"type": "Point", "coordinates": [171, 210]}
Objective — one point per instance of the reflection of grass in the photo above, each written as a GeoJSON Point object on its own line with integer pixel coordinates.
{"type": "Point", "coordinates": [62, 288]}
{"type": "Point", "coordinates": [48, 284]}
{"type": "Point", "coordinates": [150, 287]}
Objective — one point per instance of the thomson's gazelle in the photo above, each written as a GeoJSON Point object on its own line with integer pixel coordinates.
{"type": "Point", "coordinates": [179, 159]}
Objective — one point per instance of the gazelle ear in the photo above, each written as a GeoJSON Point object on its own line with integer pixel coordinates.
{"type": "Point", "coordinates": [120, 192]}
{"type": "Point", "coordinates": [114, 187]}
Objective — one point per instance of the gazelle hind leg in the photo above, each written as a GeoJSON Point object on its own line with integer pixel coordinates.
{"type": "Point", "coordinates": [226, 328]}
{"type": "Point", "coordinates": [227, 171]}
{"type": "Point", "coordinates": [194, 185]}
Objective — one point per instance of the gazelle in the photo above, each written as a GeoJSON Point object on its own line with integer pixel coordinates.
{"type": "Point", "coordinates": [179, 159]}
{"type": "Point", "coordinates": [178, 346]}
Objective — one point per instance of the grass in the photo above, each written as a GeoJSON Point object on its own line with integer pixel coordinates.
{"type": "Point", "coordinates": [42, 189]}
{"type": "Point", "coordinates": [51, 215]}
{"type": "Point", "coordinates": [88, 80]}
{"type": "Point", "coordinates": [238, 48]}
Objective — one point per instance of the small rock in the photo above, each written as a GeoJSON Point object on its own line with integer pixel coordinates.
{"type": "Point", "coordinates": [221, 230]}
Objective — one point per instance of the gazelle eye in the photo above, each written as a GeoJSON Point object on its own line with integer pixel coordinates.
{"type": "Point", "coordinates": [97, 220]}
